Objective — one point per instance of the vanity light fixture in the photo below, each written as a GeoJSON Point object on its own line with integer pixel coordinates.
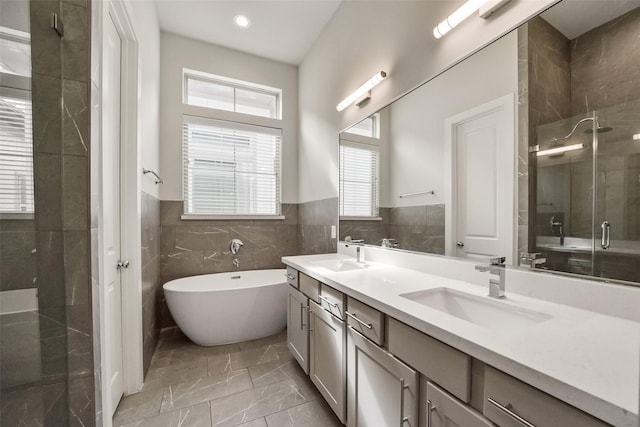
{"type": "Point", "coordinates": [241, 21]}
{"type": "Point", "coordinates": [362, 93]}
{"type": "Point", "coordinates": [560, 150]}
{"type": "Point", "coordinates": [636, 137]}
{"type": "Point", "coordinates": [485, 7]}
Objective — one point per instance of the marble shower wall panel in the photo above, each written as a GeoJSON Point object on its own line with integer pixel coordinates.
{"type": "Point", "coordinates": [604, 65]}
{"type": "Point", "coordinates": [151, 290]}
{"type": "Point", "coordinates": [61, 391]}
{"type": "Point", "coordinates": [549, 73]}
{"type": "Point", "coordinates": [315, 220]}
{"type": "Point", "coordinates": [192, 247]}
{"type": "Point", "coordinates": [523, 141]}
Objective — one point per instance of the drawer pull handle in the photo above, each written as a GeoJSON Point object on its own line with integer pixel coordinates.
{"type": "Point", "coordinates": [290, 276]}
{"type": "Point", "coordinates": [328, 301]}
{"type": "Point", "coordinates": [430, 409]}
{"type": "Point", "coordinates": [507, 410]}
{"type": "Point", "coordinates": [354, 317]}
{"type": "Point", "coordinates": [403, 387]}
{"type": "Point", "coordinates": [302, 317]}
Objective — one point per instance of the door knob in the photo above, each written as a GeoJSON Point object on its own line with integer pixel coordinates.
{"type": "Point", "coordinates": [122, 264]}
{"type": "Point", "coordinates": [460, 244]}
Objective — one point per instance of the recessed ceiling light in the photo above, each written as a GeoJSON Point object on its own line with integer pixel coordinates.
{"type": "Point", "coordinates": [241, 21]}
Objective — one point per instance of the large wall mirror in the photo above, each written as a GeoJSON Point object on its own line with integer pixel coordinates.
{"type": "Point", "coordinates": [531, 145]}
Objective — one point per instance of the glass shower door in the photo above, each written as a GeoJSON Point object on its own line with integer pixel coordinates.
{"type": "Point", "coordinates": [616, 227]}
{"type": "Point", "coordinates": [563, 220]}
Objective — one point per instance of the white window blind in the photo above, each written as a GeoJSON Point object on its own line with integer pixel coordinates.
{"type": "Point", "coordinates": [230, 168]}
{"type": "Point", "coordinates": [16, 152]}
{"type": "Point", "coordinates": [358, 180]}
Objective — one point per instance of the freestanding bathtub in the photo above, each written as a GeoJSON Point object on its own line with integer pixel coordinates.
{"type": "Point", "coordinates": [224, 308]}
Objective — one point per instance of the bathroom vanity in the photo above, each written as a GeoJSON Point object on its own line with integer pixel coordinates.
{"type": "Point", "coordinates": [387, 346]}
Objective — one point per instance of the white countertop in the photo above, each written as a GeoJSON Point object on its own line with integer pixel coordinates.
{"type": "Point", "coordinates": [587, 359]}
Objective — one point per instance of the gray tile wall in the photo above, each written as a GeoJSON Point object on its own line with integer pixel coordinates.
{"type": "Point", "coordinates": [314, 226]}
{"type": "Point", "coordinates": [544, 56]}
{"type": "Point", "coordinates": [415, 228]}
{"type": "Point", "coordinates": [151, 290]}
{"type": "Point", "coordinates": [192, 247]}
{"type": "Point", "coordinates": [17, 259]}
{"type": "Point", "coordinates": [63, 392]}
{"type": "Point", "coordinates": [604, 65]}
{"type": "Point", "coordinates": [523, 140]}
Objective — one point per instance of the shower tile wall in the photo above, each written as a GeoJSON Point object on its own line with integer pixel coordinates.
{"type": "Point", "coordinates": [59, 391]}
{"type": "Point", "coordinates": [151, 289]}
{"type": "Point", "coordinates": [545, 89]}
{"type": "Point", "coordinates": [194, 247]}
{"type": "Point", "coordinates": [315, 220]}
{"type": "Point", "coordinates": [416, 228]}
{"type": "Point", "coordinates": [604, 65]}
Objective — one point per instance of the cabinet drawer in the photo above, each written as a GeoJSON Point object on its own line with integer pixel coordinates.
{"type": "Point", "coordinates": [332, 301]}
{"type": "Point", "coordinates": [444, 365]}
{"type": "Point", "coordinates": [511, 403]}
{"type": "Point", "coordinates": [292, 277]}
{"type": "Point", "coordinates": [366, 320]}
{"type": "Point", "coordinates": [309, 286]}
{"type": "Point", "coordinates": [442, 410]}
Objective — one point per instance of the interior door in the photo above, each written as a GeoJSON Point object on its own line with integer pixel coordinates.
{"type": "Point", "coordinates": [111, 205]}
{"type": "Point", "coordinates": [482, 182]}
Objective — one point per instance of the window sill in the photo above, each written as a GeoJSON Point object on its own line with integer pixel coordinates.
{"type": "Point", "coordinates": [230, 217]}
{"type": "Point", "coordinates": [17, 215]}
{"type": "Point", "coordinates": [360, 218]}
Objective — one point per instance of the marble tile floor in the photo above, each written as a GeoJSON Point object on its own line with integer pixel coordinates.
{"type": "Point", "coordinates": [251, 384]}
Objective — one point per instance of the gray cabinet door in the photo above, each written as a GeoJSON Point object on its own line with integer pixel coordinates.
{"type": "Point", "coordinates": [381, 390]}
{"type": "Point", "coordinates": [326, 357]}
{"type": "Point", "coordinates": [298, 327]}
{"type": "Point", "coordinates": [440, 409]}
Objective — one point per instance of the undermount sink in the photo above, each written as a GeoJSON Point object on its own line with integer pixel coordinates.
{"type": "Point", "coordinates": [342, 265]}
{"type": "Point", "coordinates": [481, 311]}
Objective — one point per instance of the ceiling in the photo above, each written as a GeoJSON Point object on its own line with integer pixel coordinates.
{"type": "Point", "coordinates": [281, 30]}
{"type": "Point", "coordinates": [592, 14]}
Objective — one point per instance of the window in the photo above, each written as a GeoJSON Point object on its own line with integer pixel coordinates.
{"type": "Point", "coordinates": [221, 93]}
{"type": "Point", "coordinates": [367, 127]}
{"type": "Point", "coordinates": [16, 146]}
{"type": "Point", "coordinates": [358, 180]}
{"type": "Point", "coordinates": [230, 168]}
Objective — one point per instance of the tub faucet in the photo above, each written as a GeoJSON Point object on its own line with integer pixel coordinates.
{"type": "Point", "coordinates": [236, 264]}
{"type": "Point", "coordinates": [235, 245]}
{"type": "Point", "coordinates": [496, 268]}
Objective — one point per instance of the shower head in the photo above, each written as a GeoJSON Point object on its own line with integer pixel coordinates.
{"type": "Point", "coordinates": [600, 129]}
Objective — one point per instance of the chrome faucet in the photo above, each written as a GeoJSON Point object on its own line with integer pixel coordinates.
{"type": "Point", "coordinates": [496, 267]}
{"type": "Point", "coordinates": [235, 245]}
{"type": "Point", "coordinates": [531, 259]}
{"type": "Point", "coordinates": [358, 243]}
{"type": "Point", "coordinates": [236, 264]}
{"type": "Point", "coordinates": [389, 243]}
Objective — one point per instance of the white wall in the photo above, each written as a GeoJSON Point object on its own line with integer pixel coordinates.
{"type": "Point", "coordinates": [417, 120]}
{"type": "Point", "coordinates": [179, 52]}
{"type": "Point", "coordinates": [363, 38]}
{"type": "Point", "coordinates": [145, 24]}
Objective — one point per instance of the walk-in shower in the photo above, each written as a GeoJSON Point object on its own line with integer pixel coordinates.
{"type": "Point", "coordinates": [587, 213]}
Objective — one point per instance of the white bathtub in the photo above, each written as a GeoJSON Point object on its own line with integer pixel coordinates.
{"type": "Point", "coordinates": [225, 308]}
